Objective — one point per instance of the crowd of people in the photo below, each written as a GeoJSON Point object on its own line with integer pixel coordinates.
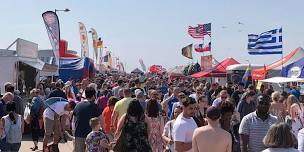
{"type": "Point", "coordinates": [154, 114]}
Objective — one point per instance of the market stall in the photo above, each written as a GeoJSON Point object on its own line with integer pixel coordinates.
{"type": "Point", "coordinates": [217, 71]}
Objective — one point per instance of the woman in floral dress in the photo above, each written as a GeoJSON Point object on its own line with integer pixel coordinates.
{"type": "Point", "coordinates": [156, 125]}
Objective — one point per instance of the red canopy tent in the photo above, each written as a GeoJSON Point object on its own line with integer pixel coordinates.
{"type": "Point", "coordinates": [295, 55]}
{"type": "Point", "coordinates": [157, 69]}
{"type": "Point", "coordinates": [217, 71]}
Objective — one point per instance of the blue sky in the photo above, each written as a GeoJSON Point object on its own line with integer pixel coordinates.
{"type": "Point", "coordinates": [157, 30]}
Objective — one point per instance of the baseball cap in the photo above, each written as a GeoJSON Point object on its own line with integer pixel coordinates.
{"type": "Point", "coordinates": [68, 83]}
{"type": "Point", "coordinates": [213, 113]}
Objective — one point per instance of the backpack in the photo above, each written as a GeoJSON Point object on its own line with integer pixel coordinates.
{"type": "Point", "coordinates": [14, 133]}
{"type": "Point", "coordinates": [53, 100]}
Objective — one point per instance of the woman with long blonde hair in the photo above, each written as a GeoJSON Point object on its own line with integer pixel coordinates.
{"type": "Point", "coordinates": [296, 114]}
{"type": "Point", "coordinates": [277, 107]}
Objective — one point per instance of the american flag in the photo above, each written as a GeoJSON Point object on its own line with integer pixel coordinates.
{"type": "Point", "coordinates": [200, 31]}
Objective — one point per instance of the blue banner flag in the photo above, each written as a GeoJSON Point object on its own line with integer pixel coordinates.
{"type": "Point", "coordinates": [294, 70]}
{"type": "Point", "coordinates": [269, 42]}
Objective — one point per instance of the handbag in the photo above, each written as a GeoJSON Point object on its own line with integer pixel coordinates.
{"type": "Point", "coordinates": [121, 140]}
{"type": "Point", "coordinates": [27, 114]}
{"type": "Point", "coordinates": [300, 123]}
{"type": "Point", "coordinates": [166, 148]}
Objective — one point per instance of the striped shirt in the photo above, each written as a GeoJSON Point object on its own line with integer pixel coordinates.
{"type": "Point", "coordinates": [256, 128]}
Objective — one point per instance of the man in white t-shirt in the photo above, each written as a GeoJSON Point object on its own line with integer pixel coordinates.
{"type": "Point", "coordinates": [184, 127]}
{"type": "Point", "coordinates": [51, 116]}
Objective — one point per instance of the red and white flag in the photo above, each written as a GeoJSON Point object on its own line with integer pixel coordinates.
{"type": "Point", "coordinates": [202, 48]}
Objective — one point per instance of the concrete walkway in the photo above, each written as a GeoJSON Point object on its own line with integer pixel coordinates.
{"type": "Point", "coordinates": [27, 143]}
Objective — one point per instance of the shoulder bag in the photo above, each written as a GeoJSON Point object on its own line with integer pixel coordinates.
{"type": "Point", "coordinates": [121, 140]}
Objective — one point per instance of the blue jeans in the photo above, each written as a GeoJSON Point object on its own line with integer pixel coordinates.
{"type": "Point", "coordinates": [12, 147]}
{"type": "Point", "coordinates": [2, 144]}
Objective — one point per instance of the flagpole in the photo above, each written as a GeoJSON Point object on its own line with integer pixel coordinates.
{"type": "Point", "coordinates": [282, 58]}
{"type": "Point", "coordinates": [211, 46]}
{"type": "Point", "coordinates": [203, 43]}
{"type": "Point", "coordinates": [211, 52]}
{"type": "Point", "coordinates": [282, 55]}
{"type": "Point", "coordinates": [210, 39]}
{"type": "Point", "coordinates": [201, 60]}
{"type": "Point", "coordinates": [203, 52]}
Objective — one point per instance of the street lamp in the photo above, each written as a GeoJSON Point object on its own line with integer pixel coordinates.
{"type": "Point", "coordinates": [65, 10]}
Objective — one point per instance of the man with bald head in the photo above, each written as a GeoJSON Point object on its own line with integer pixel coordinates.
{"type": "Point", "coordinates": [121, 107]}
{"type": "Point", "coordinates": [154, 95]}
{"type": "Point", "coordinates": [222, 98]}
{"type": "Point", "coordinates": [17, 99]}
{"type": "Point", "coordinates": [7, 97]}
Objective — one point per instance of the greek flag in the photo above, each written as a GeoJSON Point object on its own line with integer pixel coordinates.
{"type": "Point", "coordinates": [269, 42]}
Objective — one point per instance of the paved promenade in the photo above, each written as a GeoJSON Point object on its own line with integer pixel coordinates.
{"type": "Point", "coordinates": [27, 144]}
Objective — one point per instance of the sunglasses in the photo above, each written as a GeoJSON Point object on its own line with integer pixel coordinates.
{"type": "Point", "coordinates": [224, 97]}
{"type": "Point", "coordinates": [179, 107]}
